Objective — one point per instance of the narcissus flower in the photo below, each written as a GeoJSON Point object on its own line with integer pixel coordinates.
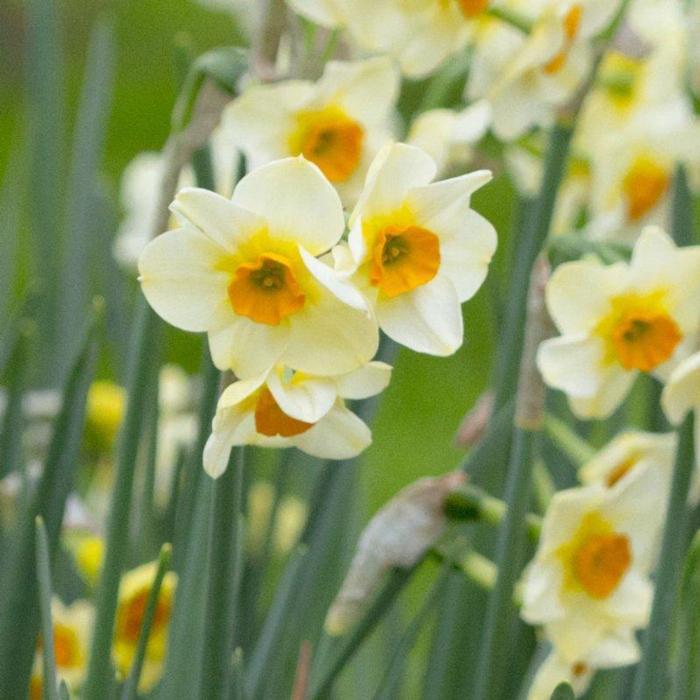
{"type": "Point", "coordinates": [283, 408]}
{"type": "Point", "coordinates": [553, 60]}
{"type": "Point", "coordinates": [106, 402]}
{"type": "Point", "coordinates": [619, 320]}
{"type": "Point", "coordinates": [338, 123]}
{"type": "Point", "coordinates": [417, 249]}
{"type": "Point", "coordinates": [133, 598]}
{"type": "Point", "coordinates": [588, 583]}
{"type": "Point", "coordinates": [244, 271]}
{"type": "Point", "coordinates": [555, 670]}
{"type": "Point", "coordinates": [71, 636]}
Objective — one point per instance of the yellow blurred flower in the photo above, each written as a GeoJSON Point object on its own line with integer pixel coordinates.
{"type": "Point", "coordinates": [133, 597]}
{"type": "Point", "coordinates": [106, 403]}
{"type": "Point", "coordinates": [291, 516]}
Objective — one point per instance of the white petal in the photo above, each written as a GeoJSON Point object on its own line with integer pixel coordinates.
{"type": "Point", "coordinates": [572, 364]}
{"type": "Point", "coordinates": [473, 122]}
{"type": "Point", "coordinates": [215, 216]}
{"type": "Point", "coordinates": [467, 244]}
{"type": "Point", "coordinates": [614, 386]}
{"type": "Point", "coordinates": [427, 319]}
{"type": "Point", "coordinates": [366, 90]}
{"type": "Point", "coordinates": [296, 200]}
{"type": "Point", "coordinates": [578, 293]}
{"type": "Point", "coordinates": [618, 647]}
{"type": "Point", "coordinates": [340, 434]}
{"type": "Point", "coordinates": [396, 169]}
{"type": "Point", "coordinates": [340, 288]}
{"type": "Point", "coordinates": [682, 393]}
{"type": "Point", "coordinates": [630, 604]}
{"type": "Point", "coordinates": [364, 382]}
{"type": "Point", "coordinates": [430, 201]}
{"type": "Point", "coordinates": [541, 582]}
{"type": "Point", "coordinates": [305, 398]}
{"type": "Point", "coordinates": [179, 278]}
{"type": "Point", "coordinates": [327, 13]}
{"type": "Point", "coordinates": [330, 338]}
{"type": "Point", "coordinates": [248, 348]}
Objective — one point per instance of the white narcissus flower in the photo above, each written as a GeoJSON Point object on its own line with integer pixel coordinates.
{"type": "Point", "coordinates": [552, 62]}
{"type": "Point", "coordinates": [682, 394]}
{"type": "Point", "coordinates": [327, 13]}
{"type": "Point", "coordinates": [417, 249]}
{"type": "Point", "coordinates": [588, 583]}
{"type": "Point", "coordinates": [338, 123]}
{"type": "Point", "coordinates": [447, 135]}
{"type": "Point", "coordinates": [244, 271]}
{"type": "Point", "coordinates": [283, 408]}
{"type": "Point", "coordinates": [72, 627]}
{"type": "Point", "coordinates": [134, 589]}
{"type": "Point", "coordinates": [618, 320]}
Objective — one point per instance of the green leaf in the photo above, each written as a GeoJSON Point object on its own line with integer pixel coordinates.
{"type": "Point", "coordinates": [141, 367]}
{"type": "Point", "coordinates": [652, 678]}
{"type": "Point", "coordinates": [45, 591]}
{"type": "Point", "coordinates": [18, 602]}
{"type": "Point", "coordinates": [682, 225]}
{"type": "Point", "coordinates": [225, 546]}
{"type": "Point", "coordinates": [132, 684]}
{"type": "Point", "coordinates": [81, 228]}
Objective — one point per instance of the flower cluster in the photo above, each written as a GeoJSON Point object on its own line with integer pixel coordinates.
{"type": "Point", "coordinates": [293, 310]}
{"type": "Point", "coordinates": [589, 583]}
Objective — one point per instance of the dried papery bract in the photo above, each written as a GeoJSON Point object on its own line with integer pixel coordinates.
{"type": "Point", "coordinates": [397, 536]}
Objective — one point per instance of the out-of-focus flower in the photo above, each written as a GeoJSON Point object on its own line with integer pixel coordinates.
{"type": "Point", "coordinates": [89, 553]}
{"type": "Point", "coordinates": [72, 625]}
{"type": "Point", "coordinates": [447, 136]}
{"type": "Point", "coordinates": [291, 516]}
{"type": "Point", "coordinates": [134, 590]}
{"type": "Point", "coordinates": [283, 408]}
{"type": "Point", "coordinates": [327, 13]}
{"type": "Point", "coordinates": [682, 394]}
{"type": "Point", "coordinates": [588, 583]}
{"type": "Point", "coordinates": [106, 402]}
{"type": "Point", "coordinates": [338, 123]}
{"type": "Point", "coordinates": [555, 670]}
{"type": "Point", "coordinates": [397, 536]}
{"type": "Point", "coordinates": [619, 320]}
{"type": "Point", "coordinates": [416, 248]}
{"type": "Point", "coordinates": [244, 271]}
{"type": "Point", "coordinates": [552, 62]}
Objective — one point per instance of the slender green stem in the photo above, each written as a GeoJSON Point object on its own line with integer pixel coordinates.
{"type": "Point", "coordinates": [471, 503]}
{"type": "Point", "coordinates": [682, 209]}
{"type": "Point", "coordinates": [45, 591]}
{"type": "Point", "coordinates": [578, 450]}
{"type": "Point", "coordinates": [224, 576]}
{"type": "Point", "coordinates": [99, 673]}
{"type": "Point", "coordinates": [132, 683]}
{"type": "Point", "coordinates": [348, 645]}
{"type": "Point", "coordinates": [652, 677]}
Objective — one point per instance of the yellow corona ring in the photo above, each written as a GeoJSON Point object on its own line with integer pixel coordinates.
{"type": "Point", "coordinates": [643, 187]}
{"type": "Point", "coordinates": [271, 420]}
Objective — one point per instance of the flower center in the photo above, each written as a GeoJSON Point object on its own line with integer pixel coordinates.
{"type": "Point", "coordinates": [571, 26]}
{"type": "Point", "coordinates": [619, 78]}
{"type": "Point", "coordinates": [600, 563]}
{"type": "Point", "coordinates": [271, 420]}
{"type": "Point", "coordinates": [645, 183]}
{"type": "Point", "coordinates": [66, 646]}
{"type": "Point", "coordinates": [645, 340]}
{"type": "Point", "coordinates": [132, 614]}
{"type": "Point", "coordinates": [266, 291]}
{"type": "Point", "coordinates": [639, 332]}
{"type": "Point", "coordinates": [403, 259]}
{"type": "Point", "coordinates": [596, 558]}
{"type": "Point", "coordinates": [472, 8]}
{"type": "Point", "coordinates": [330, 139]}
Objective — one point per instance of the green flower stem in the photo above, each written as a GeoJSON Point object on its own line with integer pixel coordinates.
{"type": "Point", "coordinates": [476, 567]}
{"type": "Point", "coordinates": [543, 485]}
{"type": "Point", "coordinates": [45, 591]}
{"type": "Point", "coordinates": [574, 447]}
{"type": "Point", "coordinates": [537, 219]}
{"type": "Point", "coordinates": [225, 542]}
{"type": "Point", "coordinates": [682, 209]}
{"type": "Point", "coordinates": [686, 674]}
{"type": "Point", "coordinates": [471, 503]}
{"type": "Point", "coordinates": [141, 366]}
{"type": "Point", "coordinates": [347, 645]}
{"type": "Point", "coordinates": [651, 681]}
{"type": "Point", "coordinates": [132, 683]}
{"type": "Point", "coordinates": [529, 417]}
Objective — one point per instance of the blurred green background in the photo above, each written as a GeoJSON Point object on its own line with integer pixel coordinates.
{"type": "Point", "coordinates": [415, 427]}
